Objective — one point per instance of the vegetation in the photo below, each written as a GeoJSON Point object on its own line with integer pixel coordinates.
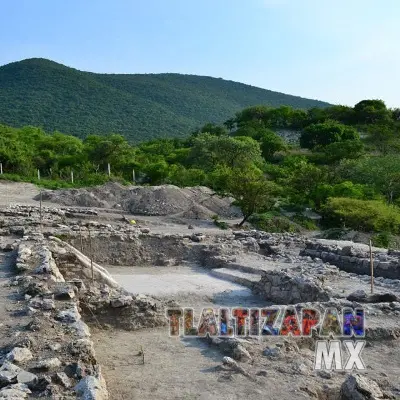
{"type": "Point", "coordinates": [348, 169]}
{"type": "Point", "coordinates": [43, 93]}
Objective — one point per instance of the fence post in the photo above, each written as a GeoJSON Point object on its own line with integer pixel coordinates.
{"type": "Point", "coordinates": [372, 266]}
{"type": "Point", "coordinates": [1, 168]}
{"type": "Point", "coordinates": [109, 169]}
{"type": "Point", "coordinates": [40, 210]}
{"type": "Point", "coordinates": [38, 174]}
{"type": "Point", "coordinates": [133, 176]}
{"type": "Point", "coordinates": [91, 254]}
{"type": "Point", "coordinates": [72, 176]}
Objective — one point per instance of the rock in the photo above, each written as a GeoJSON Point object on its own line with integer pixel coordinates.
{"type": "Point", "coordinates": [74, 370]}
{"type": "Point", "coordinates": [196, 237]}
{"type": "Point", "coordinates": [62, 379]}
{"type": "Point", "coordinates": [262, 372]}
{"type": "Point", "coordinates": [15, 392]}
{"type": "Point", "coordinates": [240, 353]}
{"type": "Point", "coordinates": [27, 378]}
{"type": "Point", "coordinates": [64, 291]}
{"type": "Point", "coordinates": [55, 346]}
{"type": "Point", "coordinates": [91, 388]}
{"type": "Point", "coordinates": [69, 316]}
{"type": "Point", "coordinates": [362, 297]}
{"type": "Point", "coordinates": [325, 374]}
{"type": "Point", "coordinates": [121, 301]}
{"type": "Point", "coordinates": [8, 373]}
{"type": "Point", "coordinates": [229, 361]}
{"type": "Point", "coordinates": [83, 348]}
{"type": "Point", "coordinates": [34, 325]}
{"type": "Point", "coordinates": [273, 352]}
{"type": "Point", "coordinates": [82, 330]}
{"type": "Point", "coordinates": [43, 383]}
{"type": "Point", "coordinates": [358, 387]}
{"type": "Point", "coordinates": [47, 364]}
{"type": "Point", "coordinates": [190, 226]}
{"type": "Point", "coordinates": [19, 355]}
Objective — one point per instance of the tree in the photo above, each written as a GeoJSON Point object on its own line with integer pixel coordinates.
{"type": "Point", "coordinates": [208, 151]}
{"type": "Point", "coordinates": [382, 173]}
{"type": "Point", "coordinates": [270, 143]}
{"type": "Point", "coordinates": [323, 134]}
{"type": "Point", "coordinates": [350, 149]}
{"type": "Point", "coordinates": [252, 191]}
{"type": "Point", "coordinates": [371, 112]}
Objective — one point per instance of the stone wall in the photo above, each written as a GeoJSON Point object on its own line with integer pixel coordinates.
{"type": "Point", "coordinates": [280, 287]}
{"type": "Point", "coordinates": [352, 257]}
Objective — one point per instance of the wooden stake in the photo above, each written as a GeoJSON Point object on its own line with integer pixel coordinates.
{"type": "Point", "coordinates": [1, 168]}
{"type": "Point", "coordinates": [372, 266]}
{"type": "Point", "coordinates": [91, 255]}
{"type": "Point", "coordinates": [38, 174]}
{"type": "Point", "coordinates": [80, 238]}
{"type": "Point", "coordinates": [109, 169]}
{"type": "Point", "coordinates": [133, 176]}
{"type": "Point", "coordinates": [40, 209]}
{"type": "Point", "coordinates": [72, 176]}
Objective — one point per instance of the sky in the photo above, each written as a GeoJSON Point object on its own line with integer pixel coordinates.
{"type": "Point", "coordinates": [340, 51]}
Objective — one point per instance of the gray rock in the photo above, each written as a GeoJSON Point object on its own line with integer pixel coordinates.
{"type": "Point", "coordinates": [47, 364]}
{"type": "Point", "coordinates": [121, 301]}
{"type": "Point", "coordinates": [273, 352]}
{"type": "Point", "coordinates": [64, 291]}
{"type": "Point", "coordinates": [91, 388]}
{"type": "Point", "coordinates": [358, 387]}
{"type": "Point", "coordinates": [62, 379]}
{"type": "Point", "coordinates": [19, 355]}
{"type": "Point", "coordinates": [27, 378]}
{"type": "Point", "coordinates": [15, 392]}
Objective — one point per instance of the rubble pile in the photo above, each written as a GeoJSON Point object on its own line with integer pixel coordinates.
{"type": "Point", "coordinates": [191, 202]}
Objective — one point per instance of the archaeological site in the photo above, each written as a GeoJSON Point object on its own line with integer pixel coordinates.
{"type": "Point", "coordinates": [88, 275]}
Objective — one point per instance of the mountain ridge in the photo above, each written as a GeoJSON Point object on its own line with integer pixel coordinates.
{"type": "Point", "coordinates": [45, 93]}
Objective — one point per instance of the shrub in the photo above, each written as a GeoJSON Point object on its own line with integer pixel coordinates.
{"type": "Point", "coordinates": [362, 215]}
{"type": "Point", "coordinates": [270, 222]}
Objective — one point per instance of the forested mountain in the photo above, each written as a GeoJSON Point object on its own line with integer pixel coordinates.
{"type": "Point", "coordinates": [43, 93]}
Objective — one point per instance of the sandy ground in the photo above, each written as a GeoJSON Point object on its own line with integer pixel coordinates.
{"type": "Point", "coordinates": [190, 369]}
{"type": "Point", "coordinates": [192, 286]}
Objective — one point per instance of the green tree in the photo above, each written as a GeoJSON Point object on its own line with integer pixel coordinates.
{"type": "Point", "coordinates": [252, 191]}
{"type": "Point", "coordinates": [323, 134]}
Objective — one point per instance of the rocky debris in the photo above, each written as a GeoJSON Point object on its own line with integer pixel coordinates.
{"type": "Point", "coordinates": [148, 200]}
{"type": "Point", "coordinates": [19, 355]}
{"type": "Point", "coordinates": [359, 387]}
{"type": "Point", "coordinates": [283, 287]}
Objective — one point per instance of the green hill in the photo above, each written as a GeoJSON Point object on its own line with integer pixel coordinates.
{"type": "Point", "coordinates": [43, 93]}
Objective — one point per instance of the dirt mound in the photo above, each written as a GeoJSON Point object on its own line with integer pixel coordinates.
{"type": "Point", "coordinates": [192, 202]}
